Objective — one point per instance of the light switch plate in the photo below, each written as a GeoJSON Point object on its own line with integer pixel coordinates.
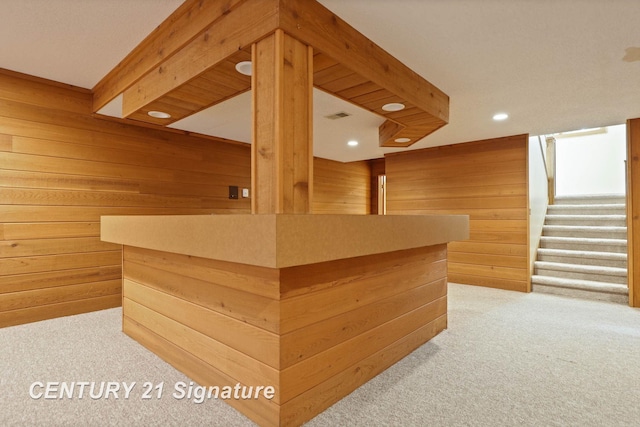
{"type": "Point", "coordinates": [233, 192]}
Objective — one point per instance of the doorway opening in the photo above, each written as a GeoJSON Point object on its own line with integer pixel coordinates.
{"type": "Point", "coordinates": [582, 249]}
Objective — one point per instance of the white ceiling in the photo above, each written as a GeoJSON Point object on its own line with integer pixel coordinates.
{"type": "Point", "coordinates": [553, 65]}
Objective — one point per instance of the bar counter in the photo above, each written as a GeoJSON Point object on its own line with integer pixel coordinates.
{"type": "Point", "coordinates": [311, 305]}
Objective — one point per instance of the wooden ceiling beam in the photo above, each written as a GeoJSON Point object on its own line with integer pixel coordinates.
{"type": "Point", "coordinates": [237, 29]}
{"type": "Point", "coordinates": [188, 21]}
{"type": "Point", "coordinates": [196, 44]}
{"type": "Point", "coordinates": [317, 26]}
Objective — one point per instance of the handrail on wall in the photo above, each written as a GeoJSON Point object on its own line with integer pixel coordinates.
{"type": "Point", "coordinates": [550, 164]}
{"type": "Point", "coordinates": [544, 156]}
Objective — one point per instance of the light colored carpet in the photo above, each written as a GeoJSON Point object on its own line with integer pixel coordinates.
{"type": "Point", "coordinates": [507, 359]}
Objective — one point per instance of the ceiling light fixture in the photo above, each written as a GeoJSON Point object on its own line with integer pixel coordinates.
{"type": "Point", "coordinates": [159, 115]}
{"type": "Point", "coordinates": [352, 143]}
{"type": "Point", "coordinates": [393, 106]}
{"type": "Point", "coordinates": [500, 117]}
{"type": "Point", "coordinates": [402, 140]}
{"type": "Point", "coordinates": [244, 67]}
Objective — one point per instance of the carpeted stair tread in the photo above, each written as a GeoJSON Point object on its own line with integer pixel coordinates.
{"type": "Point", "coordinates": [585, 231]}
{"type": "Point", "coordinates": [572, 256]}
{"type": "Point", "coordinates": [603, 228]}
{"type": "Point", "coordinates": [583, 254]}
{"type": "Point", "coordinates": [579, 268]}
{"type": "Point", "coordinates": [590, 199]}
{"type": "Point", "coordinates": [589, 241]}
{"type": "Point", "coordinates": [587, 217]}
{"type": "Point", "coordinates": [588, 206]}
{"type": "Point", "coordinates": [585, 285]}
{"type": "Point", "coordinates": [582, 251]}
{"type": "Point", "coordinates": [586, 220]}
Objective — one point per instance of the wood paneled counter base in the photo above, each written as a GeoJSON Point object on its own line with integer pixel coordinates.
{"type": "Point", "coordinates": [312, 305]}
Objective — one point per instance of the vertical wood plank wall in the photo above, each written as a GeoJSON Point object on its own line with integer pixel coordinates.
{"type": "Point", "coordinates": [486, 180]}
{"type": "Point", "coordinates": [61, 168]}
{"type": "Point", "coordinates": [633, 209]}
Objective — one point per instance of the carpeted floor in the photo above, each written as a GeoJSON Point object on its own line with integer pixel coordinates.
{"type": "Point", "coordinates": [507, 359]}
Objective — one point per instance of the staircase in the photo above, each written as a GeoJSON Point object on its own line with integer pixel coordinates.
{"type": "Point", "coordinates": [583, 249]}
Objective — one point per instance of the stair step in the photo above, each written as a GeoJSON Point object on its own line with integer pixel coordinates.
{"type": "Point", "coordinates": [586, 289]}
{"type": "Point", "coordinates": [587, 285]}
{"type": "Point", "coordinates": [585, 231]}
{"type": "Point", "coordinates": [603, 209]}
{"type": "Point", "coordinates": [565, 256]}
{"type": "Point", "coordinates": [587, 220]}
{"type": "Point", "coordinates": [583, 248]}
{"type": "Point", "coordinates": [574, 243]}
{"type": "Point", "coordinates": [581, 272]}
{"type": "Point", "coordinates": [590, 199]}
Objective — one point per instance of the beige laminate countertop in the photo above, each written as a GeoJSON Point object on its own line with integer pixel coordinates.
{"type": "Point", "coordinates": [283, 240]}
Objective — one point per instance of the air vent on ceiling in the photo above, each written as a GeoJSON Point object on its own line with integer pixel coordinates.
{"type": "Point", "coordinates": [337, 116]}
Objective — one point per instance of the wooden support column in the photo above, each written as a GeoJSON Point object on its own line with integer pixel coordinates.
{"type": "Point", "coordinates": [282, 148]}
{"type": "Point", "coordinates": [633, 210]}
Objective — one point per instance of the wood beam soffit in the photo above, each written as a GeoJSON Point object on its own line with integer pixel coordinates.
{"type": "Point", "coordinates": [186, 65]}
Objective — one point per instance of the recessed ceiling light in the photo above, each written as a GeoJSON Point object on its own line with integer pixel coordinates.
{"type": "Point", "coordinates": [500, 117]}
{"type": "Point", "coordinates": [159, 115]}
{"type": "Point", "coordinates": [402, 140]}
{"type": "Point", "coordinates": [244, 67]}
{"type": "Point", "coordinates": [393, 106]}
{"type": "Point", "coordinates": [352, 143]}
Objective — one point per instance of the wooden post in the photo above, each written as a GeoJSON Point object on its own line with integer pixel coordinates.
{"type": "Point", "coordinates": [282, 148]}
{"type": "Point", "coordinates": [633, 210]}
{"type": "Point", "coordinates": [551, 168]}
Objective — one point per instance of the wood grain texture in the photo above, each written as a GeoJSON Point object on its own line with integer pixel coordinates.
{"type": "Point", "coordinates": [214, 86]}
{"type": "Point", "coordinates": [254, 342]}
{"type": "Point", "coordinates": [233, 30]}
{"type": "Point", "coordinates": [61, 169]}
{"type": "Point", "coordinates": [187, 64]}
{"type": "Point", "coordinates": [302, 310]}
{"type": "Point", "coordinates": [313, 401]}
{"type": "Point", "coordinates": [360, 62]}
{"type": "Point", "coordinates": [303, 343]}
{"type": "Point", "coordinates": [43, 297]}
{"type": "Point", "coordinates": [261, 281]}
{"type": "Point", "coordinates": [244, 306]}
{"type": "Point", "coordinates": [49, 311]}
{"type": "Point", "coordinates": [262, 411]}
{"type": "Point", "coordinates": [331, 326]}
{"type": "Point", "coordinates": [341, 188]}
{"type": "Point", "coordinates": [318, 368]}
{"type": "Point", "coordinates": [233, 362]}
{"type": "Point", "coordinates": [39, 92]}
{"type": "Point", "coordinates": [282, 148]}
{"type": "Point", "coordinates": [633, 210]}
{"type": "Point", "coordinates": [183, 25]}
{"type": "Point", "coordinates": [486, 180]}
{"type": "Point", "coordinates": [50, 279]}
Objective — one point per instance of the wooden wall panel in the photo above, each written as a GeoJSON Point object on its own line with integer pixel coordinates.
{"type": "Point", "coordinates": [61, 168]}
{"type": "Point", "coordinates": [261, 410]}
{"type": "Point", "coordinates": [341, 188]}
{"type": "Point", "coordinates": [486, 180]}
{"type": "Point", "coordinates": [327, 329]}
{"type": "Point", "coordinates": [365, 330]}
